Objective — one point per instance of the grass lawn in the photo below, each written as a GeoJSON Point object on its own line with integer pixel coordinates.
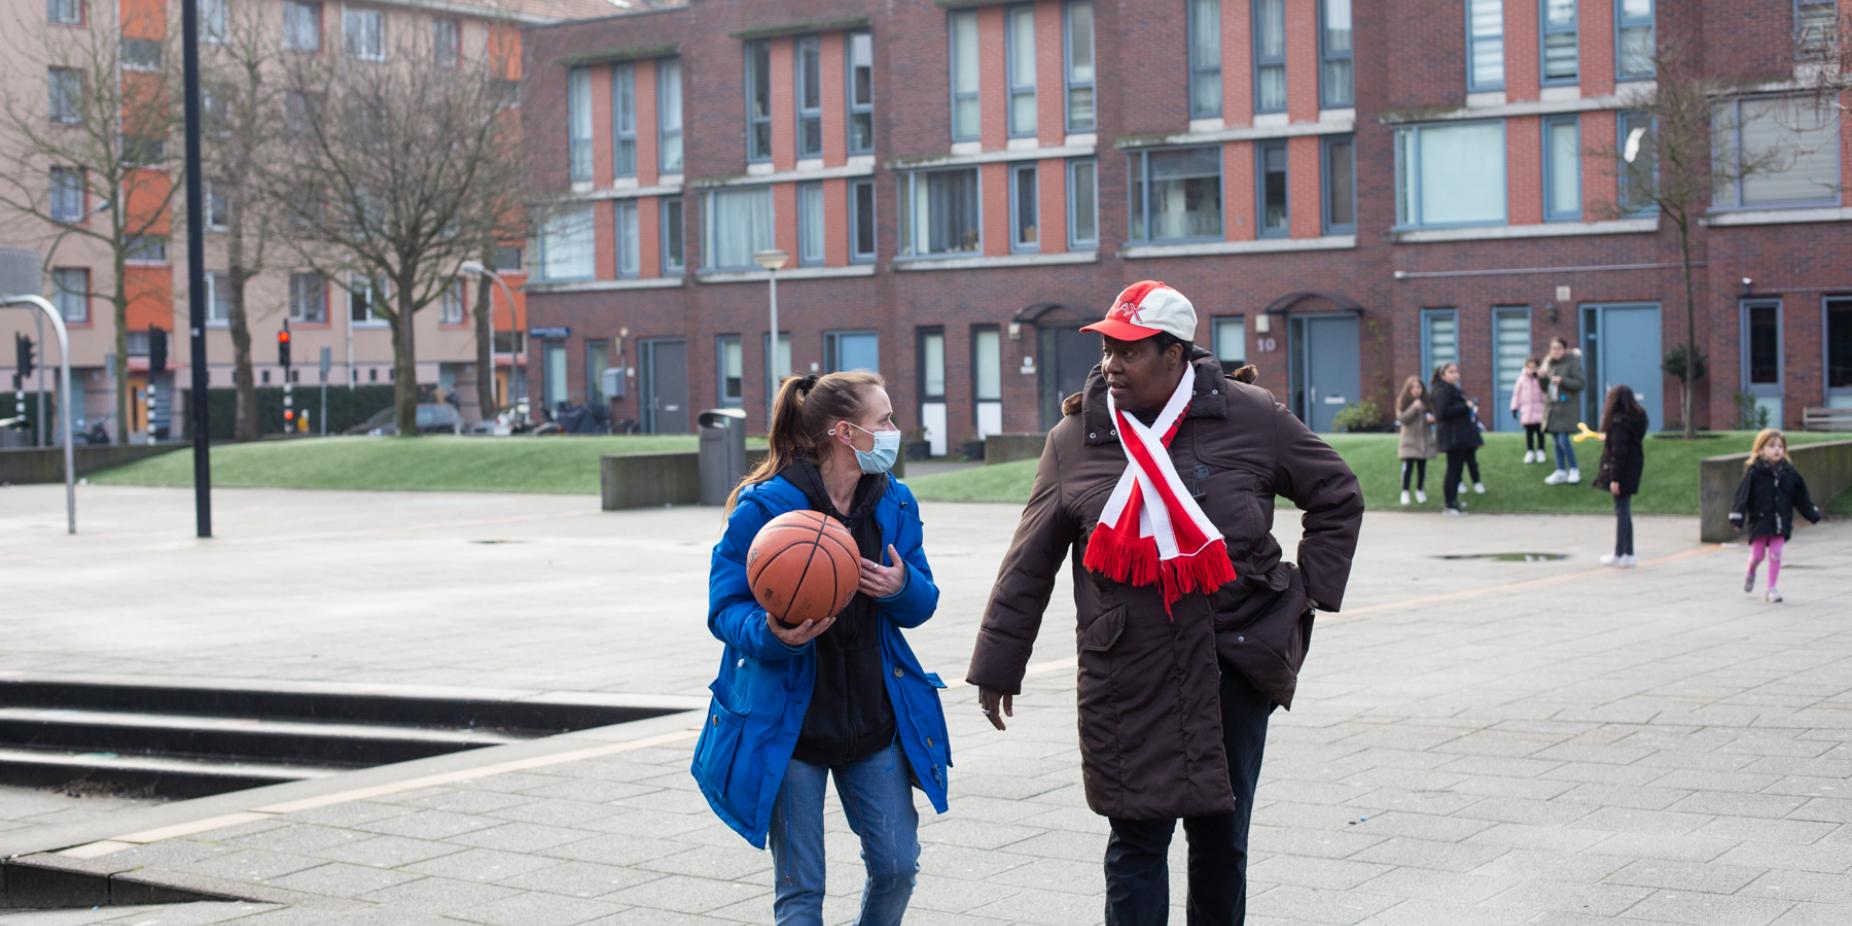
{"type": "Point", "coordinates": [1670, 486]}
{"type": "Point", "coordinates": [560, 465]}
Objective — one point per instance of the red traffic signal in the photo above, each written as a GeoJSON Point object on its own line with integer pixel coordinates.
{"type": "Point", "coordinates": [283, 347]}
{"type": "Point", "coordinates": [289, 414]}
{"type": "Point", "coordinates": [283, 336]}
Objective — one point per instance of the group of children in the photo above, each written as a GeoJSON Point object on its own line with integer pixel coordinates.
{"type": "Point", "coordinates": [1545, 398]}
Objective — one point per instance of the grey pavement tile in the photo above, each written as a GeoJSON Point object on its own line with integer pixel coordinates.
{"type": "Point", "coordinates": [1825, 859]}
{"type": "Point", "coordinates": [1052, 908]}
{"type": "Point", "coordinates": [1754, 829]}
{"type": "Point", "coordinates": [1813, 914]}
{"type": "Point", "coordinates": [1417, 825]}
{"type": "Point", "coordinates": [539, 910]}
{"type": "Point", "coordinates": [973, 834]}
{"type": "Point", "coordinates": [1524, 810]}
{"type": "Point", "coordinates": [725, 863]}
{"type": "Point", "coordinates": [1571, 897]}
{"type": "Point", "coordinates": [430, 824]}
{"type": "Point", "coordinates": [302, 838]}
{"type": "Point", "coordinates": [1627, 820]}
{"type": "Point", "coordinates": [1688, 907]}
{"type": "Point", "coordinates": [635, 822]}
{"type": "Point", "coordinates": [1714, 780]}
{"type": "Point", "coordinates": [1312, 872]}
{"type": "Point", "coordinates": [339, 879]}
{"type": "Point", "coordinates": [610, 849]}
{"type": "Point", "coordinates": [349, 813]}
{"type": "Point", "coordinates": [1298, 904]}
{"type": "Point", "coordinates": [580, 879]}
{"type": "Point", "coordinates": [1728, 804]}
{"type": "Point", "coordinates": [466, 800]}
{"type": "Point", "coordinates": [1057, 875]}
{"type": "Point", "coordinates": [683, 894]}
{"type": "Point", "coordinates": [1428, 884]}
{"type": "Point", "coordinates": [1531, 836]}
{"type": "Point", "coordinates": [1533, 864]}
{"type": "Point", "coordinates": [1824, 809]}
{"type": "Point", "coordinates": [438, 895]}
{"type": "Point", "coordinates": [251, 865]}
{"type": "Point", "coordinates": [1264, 840]}
{"type": "Point", "coordinates": [1540, 789]}
{"type": "Point", "coordinates": [1424, 853]}
{"type": "Point", "coordinates": [512, 782]}
{"type": "Point", "coordinates": [1802, 885]}
{"type": "Point", "coordinates": [1447, 913]}
{"type": "Point", "coordinates": [518, 837]}
{"type": "Point", "coordinates": [593, 790]}
{"type": "Point", "coordinates": [1633, 796]}
{"type": "Point", "coordinates": [1670, 847]}
{"type": "Point", "coordinates": [481, 865]}
{"type": "Point", "coordinates": [957, 895]}
{"type": "Point", "coordinates": [387, 851]}
{"type": "Point", "coordinates": [1710, 878]}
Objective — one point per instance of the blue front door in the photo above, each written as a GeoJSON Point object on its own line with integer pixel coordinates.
{"type": "Point", "coordinates": [1332, 363]}
{"type": "Point", "coordinates": [1620, 344]}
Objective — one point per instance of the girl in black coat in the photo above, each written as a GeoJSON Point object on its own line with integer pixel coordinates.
{"type": "Point", "coordinates": [1457, 433]}
{"type": "Point", "coordinates": [1623, 461]}
{"type": "Point", "coordinates": [1771, 491]}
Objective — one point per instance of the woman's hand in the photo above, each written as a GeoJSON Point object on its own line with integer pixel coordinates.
{"type": "Point", "coordinates": [1614, 489]}
{"type": "Point", "coordinates": [880, 581]}
{"type": "Point", "coordinates": [801, 634]}
{"type": "Point", "coordinates": [1556, 380]}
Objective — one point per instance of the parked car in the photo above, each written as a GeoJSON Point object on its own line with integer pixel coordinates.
{"type": "Point", "coordinates": [433, 418]}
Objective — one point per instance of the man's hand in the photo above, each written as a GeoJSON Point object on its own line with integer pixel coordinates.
{"type": "Point", "coordinates": [1614, 488]}
{"type": "Point", "coordinates": [801, 634]}
{"type": "Point", "coordinates": [991, 701]}
{"type": "Point", "coordinates": [880, 581]}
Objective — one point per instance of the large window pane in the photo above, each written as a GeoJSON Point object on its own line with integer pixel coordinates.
{"type": "Point", "coordinates": [861, 93]}
{"type": "Point", "coordinates": [1340, 184]}
{"type": "Point", "coordinates": [809, 98]}
{"type": "Point", "coordinates": [862, 217]}
{"type": "Point", "coordinates": [1635, 47]}
{"type": "Point", "coordinates": [732, 369]}
{"type": "Point", "coordinates": [758, 101]}
{"type": "Point", "coordinates": [1205, 58]}
{"type": "Point", "coordinates": [627, 241]}
{"type": "Point", "coordinates": [1789, 151]}
{"type": "Point", "coordinates": [939, 213]}
{"type": "Point", "coordinates": [669, 113]}
{"type": "Point", "coordinates": [71, 293]}
{"type": "Point", "coordinates": [1274, 220]}
{"type": "Point", "coordinates": [1180, 193]}
{"type": "Point", "coordinates": [1451, 175]}
{"type": "Point", "coordinates": [579, 123]}
{"type": "Point", "coordinates": [1022, 71]}
{"type": "Point", "coordinates": [1269, 56]}
{"type": "Point", "coordinates": [1079, 24]}
{"type": "Point", "coordinates": [567, 250]}
{"type": "Point", "coordinates": [1563, 161]}
{"type": "Point", "coordinates": [1485, 68]}
{"type": "Point", "coordinates": [1336, 82]}
{"type": "Point", "coordinates": [964, 76]}
{"type": "Point", "coordinates": [810, 225]}
{"type": "Point", "coordinates": [1762, 353]}
{"type": "Point", "coordinates": [624, 120]}
{"type": "Point", "coordinates": [1025, 224]}
{"type": "Point", "coordinates": [1230, 340]}
{"type": "Point", "coordinates": [1083, 203]}
{"type": "Point", "coordinates": [672, 261]}
{"type": "Point", "coordinates": [1560, 58]}
{"type": "Point", "coordinates": [739, 225]}
{"type": "Point", "coordinates": [1839, 349]}
{"type": "Point", "coordinates": [932, 365]}
{"type": "Point", "coordinates": [987, 365]}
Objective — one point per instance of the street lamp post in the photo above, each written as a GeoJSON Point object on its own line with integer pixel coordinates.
{"type": "Point", "coordinates": [476, 268]}
{"type": "Point", "coordinates": [773, 261]}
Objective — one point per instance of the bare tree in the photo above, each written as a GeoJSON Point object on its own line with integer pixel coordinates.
{"type": "Point", "coordinates": [398, 171]}
{"type": "Point", "coordinates": [88, 148]}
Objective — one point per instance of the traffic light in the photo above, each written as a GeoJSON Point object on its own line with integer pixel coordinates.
{"type": "Point", "coordinates": [22, 359]}
{"type": "Point", "coordinates": [283, 349]}
{"type": "Point", "coordinates": [157, 349]}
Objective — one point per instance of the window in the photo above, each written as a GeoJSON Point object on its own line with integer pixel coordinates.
{"type": "Point", "coordinates": [964, 76]}
{"type": "Point", "coordinates": [363, 293]}
{"type": "Point", "coordinates": [730, 364]}
{"type": "Point", "coordinates": [553, 373]}
{"type": "Point", "coordinates": [623, 121]}
{"type": "Point", "coordinates": [1024, 219]}
{"type": "Point", "coordinates": [450, 309]}
{"type": "Point", "coordinates": [1450, 174]}
{"type": "Point", "coordinates": [302, 25]}
{"type": "Point", "coordinates": [1440, 340]}
{"type": "Point", "coordinates": [308, 300]}
{"type": "Point", "coordinates": [506, 260]}
{"type": "Point", "coordinates": [1078, 26]}
{"type": "Point", "coordinates": [71, 293]}
{"type": "Point", "coordinates": [1230, 338]}
{"type": "Point", "coordinates": [1775, 151]}
{"type": "Point", "coordinates": [300, 112]}
{"type": "Point", "coordinates": [141, 54]}
{"type": "Point", "coordinates": [363, 33]}
{"type": "Point", "coordinates": [1205, 24]}
{"type": "Point", "coordinates": [1638, 180]}
{"type": "Point", "coordinates": [579, 124]}
{"type": "Point", "coordinates": [758, 101]}
{"type": "Point", "coordinates": [566, 246]}
{"type": "Point", "coordinates": [932, 365]}
{"type": "Point", "coordinates": [446, 42]}
{"type": "Point", "coordinates": [810, 225]}
{"type": "Point", "coordinates": [672, 262]}
{"type": "Point", "coordinates": [218, 298]}
{"type": "Point", "coordinates": [213, 26]}
{"type": "Point", "coordinates": [67, 194]}
{"type": "Point", "coordinates": [218, 207]}
{"type": "Point", "coordinates": [1485, 42]}
{"type": "Point", "coordinates": [1269, 56]}
{"type": "Point", "coordinates": [215, 110]}
{"type": "Point", "coordinates": [1336, 74]}
{"type": "Point", "coordinates": [987, 378]}
{"type": "Point", "coordinates": [939, 213]}
{"type": "Point", "coordinates": [1816, 25]}
{"type": "Point", "coordinates": [861, 220]}
{"type": "Point", "coordinates": [1838, 314]}
{"type": "Point", "coordinates": [597, 358]}
{"type": "Point", "coordinates": [65, 12]}
{"type": "Point", "coordinates": [1561, 60]}
{"type": "Point", "coordinates": [861, 93]}
{"type": "Point", "coordinates": [739, 225]}
{"type": "Point", "coordinates": [1633, 48]}
{"type": "Point", "coordinates": [66, 86]}
{"type": "Point", "coordinates": [627, 239]}
{"type": "Point", "coordinates": [1083, 203]}
{"type": "Point", "coordinates": [1761, 343]}
{"type": "Point", "coordinates": [1177, 194]}
{"type": "Point", "coordinates": [143, 150]}
{"type": "Point", "coordinates": [1270, 163]}
{"type": "Point", "coordinates": [148, 249]}
{"type": "Point", "coordinates": [1020, 43]}
{"type": "Point", "coordinates": [809, 98]}
{"type": "Point", "coordinates": [1562, 169]}
{"type": "Point", "coordinates": [669, 114]}
{"type": "Point", "coordinates": [851, 350]}
{"type": "Point", "coordinates": [1340, 186]}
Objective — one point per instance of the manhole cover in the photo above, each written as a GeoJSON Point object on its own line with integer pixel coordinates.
{"type": "Point", "coordinates": [1508, 557]}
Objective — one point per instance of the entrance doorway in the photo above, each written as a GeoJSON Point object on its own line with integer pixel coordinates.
{"type": "Point", "coordinates": [1326, 369]}
{"type": "Point", "coordinates": [665, 387]}
{"type": "Point", "coordinates": [1620, 344]}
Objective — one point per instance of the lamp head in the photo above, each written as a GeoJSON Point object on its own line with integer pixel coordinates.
{"type": "Point", "coordinates": [773, 260]}
{"type": "Point", "coordinates": [472, 267]}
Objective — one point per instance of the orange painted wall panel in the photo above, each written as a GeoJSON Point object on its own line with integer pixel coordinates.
{"type": "Point", "coordinates": [1050, 80]}
{"type": "Point", "coordinates": [1304, 202]}
{"type": "Point", "coordinates": [143, 19]}
{"type": "Point", "coordinates": [833, 94]}
{"type": "Point", "coordinates": [1238, 191]}
{"type": "Point", "coordinates": [649, 157]}
{"type": "Point", "coordinates": [649, 237]}
{"type": "Point", "coordinates": [1051, 203]}
{"type": "Point", "coordinates": [784, 218]}
{"type": "Point", "coordinates": [993, 80]}
{"type": "Point", "coordinates": [151, 297]}
{"type": "Point", "coordinates": [836, 222]}
{"type": "Point", "coordinates": [1522, 74]}
{"type": "Point", "coordinates": [994, 191]}
{"type": "Point", "coordinates": [1524, 170]}
{"type": "Point", "coordinates": [603, 156]}
{"type": "Point", "coordinates": [784, 106]}
{"type": "Point", "coordinates": [147, 203]}
{"type": "Point", "coordinates": [1237, 63]}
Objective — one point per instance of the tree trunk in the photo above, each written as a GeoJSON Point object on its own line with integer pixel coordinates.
{"type": "Point", "coordinates": [405, 362]}
{"type": "Point", "coordinates": [485, 341]}
{"type": "Point", "coordinates": [119, 372]}
{"type": "Point", "coordinates": [1690, 384]}
{"type": "Point", "coordinates": [245, 427]}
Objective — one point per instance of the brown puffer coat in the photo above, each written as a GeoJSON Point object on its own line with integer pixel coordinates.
{"type": "Point", "coordinates": [1150, 714]}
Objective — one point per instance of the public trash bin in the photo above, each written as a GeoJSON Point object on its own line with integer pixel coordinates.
{"type": "Point", "coordinates": [723, 453]}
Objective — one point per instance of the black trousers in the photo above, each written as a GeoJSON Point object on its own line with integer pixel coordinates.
{"type": "Point", "coordinates": [1137, 871]}
{"type": "Point", "coordinates": [1623, 525]}
{"type": "Point", "coordinates": [1534, 431]}
{"type": "Point", "coordinates": [1419, 469]}
{"type": "Point", "coordinates": [1456, 461]}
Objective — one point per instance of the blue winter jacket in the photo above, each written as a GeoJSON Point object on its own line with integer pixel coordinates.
{"type": "Point", "coordinates": [763, 688]}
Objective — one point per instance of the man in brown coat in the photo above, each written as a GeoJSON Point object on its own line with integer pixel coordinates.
{"type": "Point", "coordinates": [1160, 482]}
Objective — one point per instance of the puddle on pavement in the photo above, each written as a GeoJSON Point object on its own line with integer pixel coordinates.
{"type": "Point", "coordinates": [1508, 557]}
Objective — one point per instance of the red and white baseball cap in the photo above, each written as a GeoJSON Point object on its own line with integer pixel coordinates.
{"type": "Point", "coordinates": [1146, 308]}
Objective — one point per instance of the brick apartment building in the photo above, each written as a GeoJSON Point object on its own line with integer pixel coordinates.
{"type": "Point", "coordinates": [321, 312]}
{"type": "Point", "coordinates": [1350, 192]}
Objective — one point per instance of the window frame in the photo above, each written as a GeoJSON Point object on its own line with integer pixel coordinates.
{"type": "Point", "coordinates": [213, 292]}
{"type": "Point", "coordinates": [1414, 203]}
{"type": "Point", "coordinates": [1327, 56]}
{"type": "Point", "coordinates": [446, 44]}
{"type": "Point", "coordinates": [856, 255]}
{"type": "Point", "coordinates": [1013, 90]}
{"type": "Point", "coordinates": [60, 292]}
{"type": "Point", "coordinates": [1744, 308]}
{"type": "Point", "coordinates": [851, 108]}
{"type": "Point", "coordinates": [1261, 148]}
{"type": "Point", "coordinates": [721, 398]}
{"type": "Point", "coordinates": [905, 182]}
{"type": "Point", "coordinates": [1472, 82]}
{"type": "Point", "coordinates": [1574, 121]}
{"type": "Point", "coordinates": [1216, 322]}
{"type": "Point", "coordinates": [1199, 69]}
{"type": "Point", "coordinates": [579, 151]}
{"type": "Point", "coordinates": [1428, 315]}
{"type": "Point", "coordinates": [540, 246]}
{"type": "Point", "coordinates": [1828, 302]}
{"type": "Point", "coordinates": [1544, 31]}
{"type": "Point", "coordinates": [754, 50]}
{"type": "Point", "coordinates": [974, 94]}
{"type": "Point", "coordinates": [72, 185]}
{"type": "Point", "coordinates": [812, 189]}
{"type": "Point", "coordinates": [1139, 176]}
{"type": "Point", "coordinates": [1068, 81]}
{"type": "Point", "coordinates": [627, 244]}
{"type": "Point", "coordinates": [708, 226]}
{"type": "Point", "coordinates": [315, 8]}
{"type": "Point", "coordinates": [1016, 173]}
{"type": "Point", "coordinates": [1800, 32]}
{"type": "Point", "coordinates": [209, 199]}
{"type": "Point", "coordinates": [664, 131]}
{"type": "Point", "coordinates": [623, 105]}
{"type": "Point", "coordinates": [676, 243]}
{"type": "Point", "coordinates": [377, 289]}
{"type": "Point", "coordinates": [156, 244]}
{"type": "Point", "coordinates": [79, 10]}
{"type": "Point", "coordinates": [1074, 241]}
{"type": "Point", "coordinates": [321, 288]}
{"type": "Point", "coordinates": [214, 21]}
{"type": "Point", "coordinates": [1623, 126]}
{"type": "Point", "coordinates": [64, 85]}
{"type": "Point", "coordinates": [812, 46]}
{"type": "Point", "coordinates": [1829, 197]}
{"type": "Point", "coordinates": [355, 12]}
{"type": "Point", "coordinates": [453, 295]}
{"type": "Point", "coordinates": [1262, 62]}
{"type": "Point", "coordinates": [1330, 225]}
{"type": "Point", "coordinates": [1622, 22]}
{"type": "Point", "coordinates": [832, 347]}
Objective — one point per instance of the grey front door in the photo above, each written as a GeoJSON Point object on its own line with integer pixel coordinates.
{"type": "Point", "coordinates": [1330, 354]}
{"type": "Point", "coordinates": [665, 387]}
{"type": "Point", "coordinates": [1067, 355]}
{"type": "Point", "coordinates": [1620, 344]}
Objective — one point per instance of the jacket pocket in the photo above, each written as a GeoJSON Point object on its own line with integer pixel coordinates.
{"type": "Point", "coordinates": [1100, 635]}
{"type": "Point", "coordinates": [719, 758]}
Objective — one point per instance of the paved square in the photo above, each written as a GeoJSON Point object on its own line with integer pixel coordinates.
{"type": "Point", "coordinates": [1475, 742]}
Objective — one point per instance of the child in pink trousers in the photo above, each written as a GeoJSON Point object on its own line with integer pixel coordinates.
{"type": "Point", "coordinates": [1771, 492]}
{"type": "Point", "coordinates": [1527, 405]}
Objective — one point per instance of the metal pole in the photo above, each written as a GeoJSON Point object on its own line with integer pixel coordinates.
{"type": "Point", "coordinates": [64, 401]}
{"type": "Point", "coordinates": [196, 271]}
{"type": "Point", "coordinates": [514, 324]}
{"type": "Point", "coordinates": [773, 361]}
{"type": "Point", "coordinates": [39, 437]}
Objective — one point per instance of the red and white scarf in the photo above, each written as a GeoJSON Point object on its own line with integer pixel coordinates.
{"type": "Point", "coordinates": [1171, 542]}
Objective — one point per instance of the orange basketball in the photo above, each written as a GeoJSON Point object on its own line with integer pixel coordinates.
{"type": "Point", "coordinates": [803, 566]}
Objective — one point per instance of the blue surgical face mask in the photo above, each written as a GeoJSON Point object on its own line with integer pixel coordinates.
{"type": "Point", "coordinates": [882, 457]}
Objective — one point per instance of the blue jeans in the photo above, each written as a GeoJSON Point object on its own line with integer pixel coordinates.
{"type": "Point", "coordinates": [1565, 450]}
{"type": "Point", "coordinates": [877, 799]}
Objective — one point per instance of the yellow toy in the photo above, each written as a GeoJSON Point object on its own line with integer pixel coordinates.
{"type": "Point", "coordinates": [1586, 434]}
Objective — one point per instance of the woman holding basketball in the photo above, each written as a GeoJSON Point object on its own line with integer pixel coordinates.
{"type": "Point", "coordinates": [840, 696]}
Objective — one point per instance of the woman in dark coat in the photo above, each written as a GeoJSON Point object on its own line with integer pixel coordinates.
{"type": "Point", "coordinates": [1457, 431]}
{"type": "Point", "coordinates": [1623, 461]}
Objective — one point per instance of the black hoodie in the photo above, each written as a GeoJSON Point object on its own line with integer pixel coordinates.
{"type": "Point", "coordinates": [850, 717]}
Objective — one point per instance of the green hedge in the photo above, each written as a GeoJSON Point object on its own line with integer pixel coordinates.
{"type": "Point", "coordinates": [346, 407]}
